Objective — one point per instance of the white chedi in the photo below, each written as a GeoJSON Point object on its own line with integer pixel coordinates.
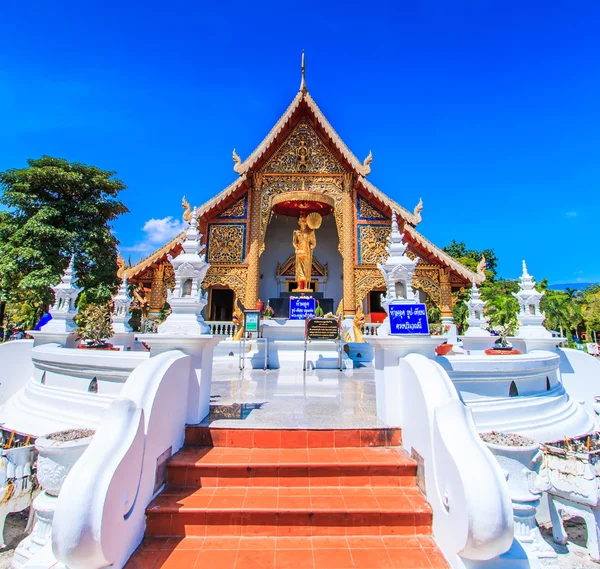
{"type": "Point", "coordinates": [475, 319]}
{"type": "Point", "coordinates": [530, 316]}
{"type": "Point", "coordinates": [121, 313]}
{"type": "Point", "coordinates": [397, 270]}
{"type": "Point", "coordinates": [186, 300]}
{"type": "Point", "coordinates": [64, 310]}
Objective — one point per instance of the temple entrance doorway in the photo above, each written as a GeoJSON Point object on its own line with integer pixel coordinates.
{"type": "Point", "coordinates": [221, 304]}
{"type": "Point", "coordinates": [374, 307]}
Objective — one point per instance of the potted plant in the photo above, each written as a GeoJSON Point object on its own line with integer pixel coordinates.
{"type": "Point", "coordinates": [95, 326]}
{"type": "Point", "coordinates": [260, 304]}
{"type": "Point", "coordinates": [319, 311]}
{"type": "Point", "coordinates": [441, 330]}
{"type": "Point", "coordinates": [502, 347]}
{"type": "Point", "coordinates": [269, 312]}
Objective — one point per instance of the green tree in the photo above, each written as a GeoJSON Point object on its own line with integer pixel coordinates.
{"type": "Point", "coordinates": [559, 310]}
{"type": "Point", "coordinates": [56, 209]}
{"type": "Point", "coordinates": [502, 306]}
{"type": "Point", "coordinates": [590, 309]}
{"type": "Point", "coordinates": [470, 257]}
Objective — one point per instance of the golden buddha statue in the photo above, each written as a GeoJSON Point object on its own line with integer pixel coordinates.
{"type": "Point", "coordinates": [304, 242]}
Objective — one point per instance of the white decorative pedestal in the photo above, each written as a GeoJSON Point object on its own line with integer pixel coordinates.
{"type": "Point", "coordinates": [521, 465]}
{"type": "Point", "coordinates": [55, 460]}
{"type": "Point", "coordinates": [388, 350]}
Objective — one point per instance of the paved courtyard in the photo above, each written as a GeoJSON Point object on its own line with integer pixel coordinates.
{"type": "Point", "coordinates": [293, 399]}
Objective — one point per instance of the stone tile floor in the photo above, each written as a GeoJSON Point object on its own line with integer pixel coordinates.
{"type": "Point", "coordinates": [293, 399]}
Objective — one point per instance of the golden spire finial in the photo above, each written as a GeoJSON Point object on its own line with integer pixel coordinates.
{"type": "Point", "coordinates": [303, 82]}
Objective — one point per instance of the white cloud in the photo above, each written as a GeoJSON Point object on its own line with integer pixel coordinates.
{"type": "Point", "coordinates": [157, 233]}
{"type": "Point", "coordinates": [571, 214]}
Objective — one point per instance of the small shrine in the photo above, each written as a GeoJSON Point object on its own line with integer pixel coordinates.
{"type": "Point", "coordinates": [302, 218]}
{"type": "Point", "coordinates": [530, 316]}
{"type": "Point", "coordinates": [64, 310]}
{"type": "Point", "coordinates": [475, 319]}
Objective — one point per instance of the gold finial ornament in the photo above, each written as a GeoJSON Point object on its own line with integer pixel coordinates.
{"type": "Point", "coordinates": [366, 166]}
{"type": "Point", "coordinates": [303, 82]}
{"type": "Point", "coordinates": [237, 162]}
{"type": "Point", "coordinates": [314, 220]}
{"type": "Point", "coordinates": [481, 267]}
{"type": "Point", "coordinates": [187, 210]}
{"type": "Point", "coordinates": [417, 212]}
{"type": "Point", "coordinates": [121, 266]}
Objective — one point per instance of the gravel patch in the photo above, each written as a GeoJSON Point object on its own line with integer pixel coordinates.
{"type": "Point", "coordinates": [70, 435]}
{"type": "Point", "coordinates": [506, 439]}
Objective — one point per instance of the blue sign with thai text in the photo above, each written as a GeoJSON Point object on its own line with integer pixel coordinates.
{"type": "Point", "coordinates": [302, 307]}
{"type": "Point", "coordinates": [408, 318]}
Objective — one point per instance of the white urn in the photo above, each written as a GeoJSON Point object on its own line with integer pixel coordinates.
{"type": "Point", "coordinates": [55, 460]}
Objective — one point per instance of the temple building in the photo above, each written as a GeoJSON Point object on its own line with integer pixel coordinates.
{"type": "Point", "coordinates": [302, 171]}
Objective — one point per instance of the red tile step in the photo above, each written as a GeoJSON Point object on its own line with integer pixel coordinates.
{"type": "Point", "coordinates": [222, 466]}
{"type": "Point", "coordinates": [292, 438]}
{"type": "Point", "coordinates": [243, 498]}
{"type": "Point", "coordinates": [353, 552]}
{"type": "Point", "coordinates": [317, 511]}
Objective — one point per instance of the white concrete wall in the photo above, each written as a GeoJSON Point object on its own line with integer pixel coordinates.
{"type": "Point", "coordinates": [581, 376]}
{"type": "Point", "coordinates": [15, 367]}
{"type": "Point", "coordinates": [278, 247]}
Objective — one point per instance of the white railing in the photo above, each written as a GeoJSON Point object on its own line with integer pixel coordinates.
{"type": "Point", "coordinates": [100, 513]}
{"type": "Point", "coordinates": [221, 328]}
{"type": "Point", "coordinates": [473, 515]}
{"type": "Point", "coordinates": [370, 329]}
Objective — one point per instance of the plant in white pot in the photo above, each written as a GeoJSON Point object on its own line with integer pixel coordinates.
{"type": "Point", "coordinates": [57, 453]}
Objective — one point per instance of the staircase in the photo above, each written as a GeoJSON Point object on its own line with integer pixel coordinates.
{"type": "Point", "coordinates": [298, 499]}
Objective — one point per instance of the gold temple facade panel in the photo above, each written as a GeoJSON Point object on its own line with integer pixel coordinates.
{"type": "Point", "coordinates": [226, 243]}
{"type": "Point", "coordinates": [372, 243]}
{"type": "Point", "coordinates": [238, 210]}
{"type": "Point", "coordinates": [230, 276]}
{"type": "Point", "coordinates": [365, 211]}
{"type": "Point", "coordinates": [303, 151]}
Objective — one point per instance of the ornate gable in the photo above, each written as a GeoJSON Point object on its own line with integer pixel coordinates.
{"type": "Point", "coordinates": [303, 151]}
{"type": "Point", "coordinates": [288, 268]}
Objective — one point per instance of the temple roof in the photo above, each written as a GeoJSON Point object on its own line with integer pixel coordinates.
{"type": "Point", "coordinates": [263, 150]}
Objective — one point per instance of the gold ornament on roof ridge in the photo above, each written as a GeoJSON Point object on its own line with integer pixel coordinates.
{"type": "Point", "coordinates": [187, 210]}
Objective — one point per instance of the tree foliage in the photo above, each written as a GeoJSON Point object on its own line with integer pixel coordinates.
{"type": "Point", "coordinates": [471, 257]}
{"type": "Point", "coordinates": [56, 209]}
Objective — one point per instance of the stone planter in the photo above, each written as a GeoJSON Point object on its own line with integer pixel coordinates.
{"type": "Point", "coordinates": [573, 470]}
{"type": "Point", "coordinates": [521, 466]}
{"type": "Point", "coordinates": [55, 460]}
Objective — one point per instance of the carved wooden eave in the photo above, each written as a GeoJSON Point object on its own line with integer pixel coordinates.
{"type": "Point", "coordinates": [288, 268]}
{"type": "Point", "coordinates": [172, 247]}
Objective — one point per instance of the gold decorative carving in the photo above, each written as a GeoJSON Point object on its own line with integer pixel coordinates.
{"type": "Point", "coordinates": [273, 186]}
{"type": "Point", "coordinates": [481, 267]}
{"type": "Point", "coordinates": [367, 211]}
{"type": "Point", "coordinates": [187, 210]}
{"type": "Point", "coordinates": [366, 165]}
{"type": "Point", "coordinates": [157, 291]}
{"type": "Point", "coordinates": [373, 241]}
{"type": "Point", "coordinates": [121, 266]}
{"type": "Point", "coordinates": [237, 162]}
{"type": "Point", "coordinates": [417, 212]}
{"type": "Point", "coordinates": [226, 243]}
{"type": "Point", "coordinates": [303, 151]}
{"type": "Point", "coordinates": [365, 280]}
{"type": "Point", "coordinates": [226, 275]}
{"type": "Point", "coordinates": [237, 210]}
{"type": "Point", "coordinates": [288, 267]}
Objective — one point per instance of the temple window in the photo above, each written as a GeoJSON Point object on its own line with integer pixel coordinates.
{"type": "Point", "coordinates": [400, 291]}
{"type": "Point", "coordinates": [532, 309]}
{"type": "Point", "coordinates": [186, 288]}
{"type": "Point", "coordinates": [477, 315]}
{"type": "Point", "coordinates": [513, 391]}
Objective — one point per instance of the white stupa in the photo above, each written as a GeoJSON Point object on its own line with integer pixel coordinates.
{"type": "Point", "coordinates": [64, 310]}
{"type": "Point", "coordinates": [530, 316]}
{"type": "Point", "coordinates": [123, 336]}
{"type": "Point", "coordinates": [476, 320]}
{"type": "Point", "coordinates": [397, 270]}
{"type": "Point", "coordinates": [186, 300]}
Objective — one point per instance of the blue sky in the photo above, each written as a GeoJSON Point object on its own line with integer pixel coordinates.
{"type": "Point", "coordinates": [488, 110]}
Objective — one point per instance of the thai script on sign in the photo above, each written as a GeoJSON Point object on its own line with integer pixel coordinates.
{"type": "Point", "coordinates": [302, 307]}
{"type": "Point", "coordinates": [322, 329]}
{"type": "Point", "coordinates": [408, 318]}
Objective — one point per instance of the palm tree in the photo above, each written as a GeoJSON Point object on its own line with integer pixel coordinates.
{"type": "Point", "coordinates": [559, 310]}
{"type": "Point", "coordinates": [502, 309]}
